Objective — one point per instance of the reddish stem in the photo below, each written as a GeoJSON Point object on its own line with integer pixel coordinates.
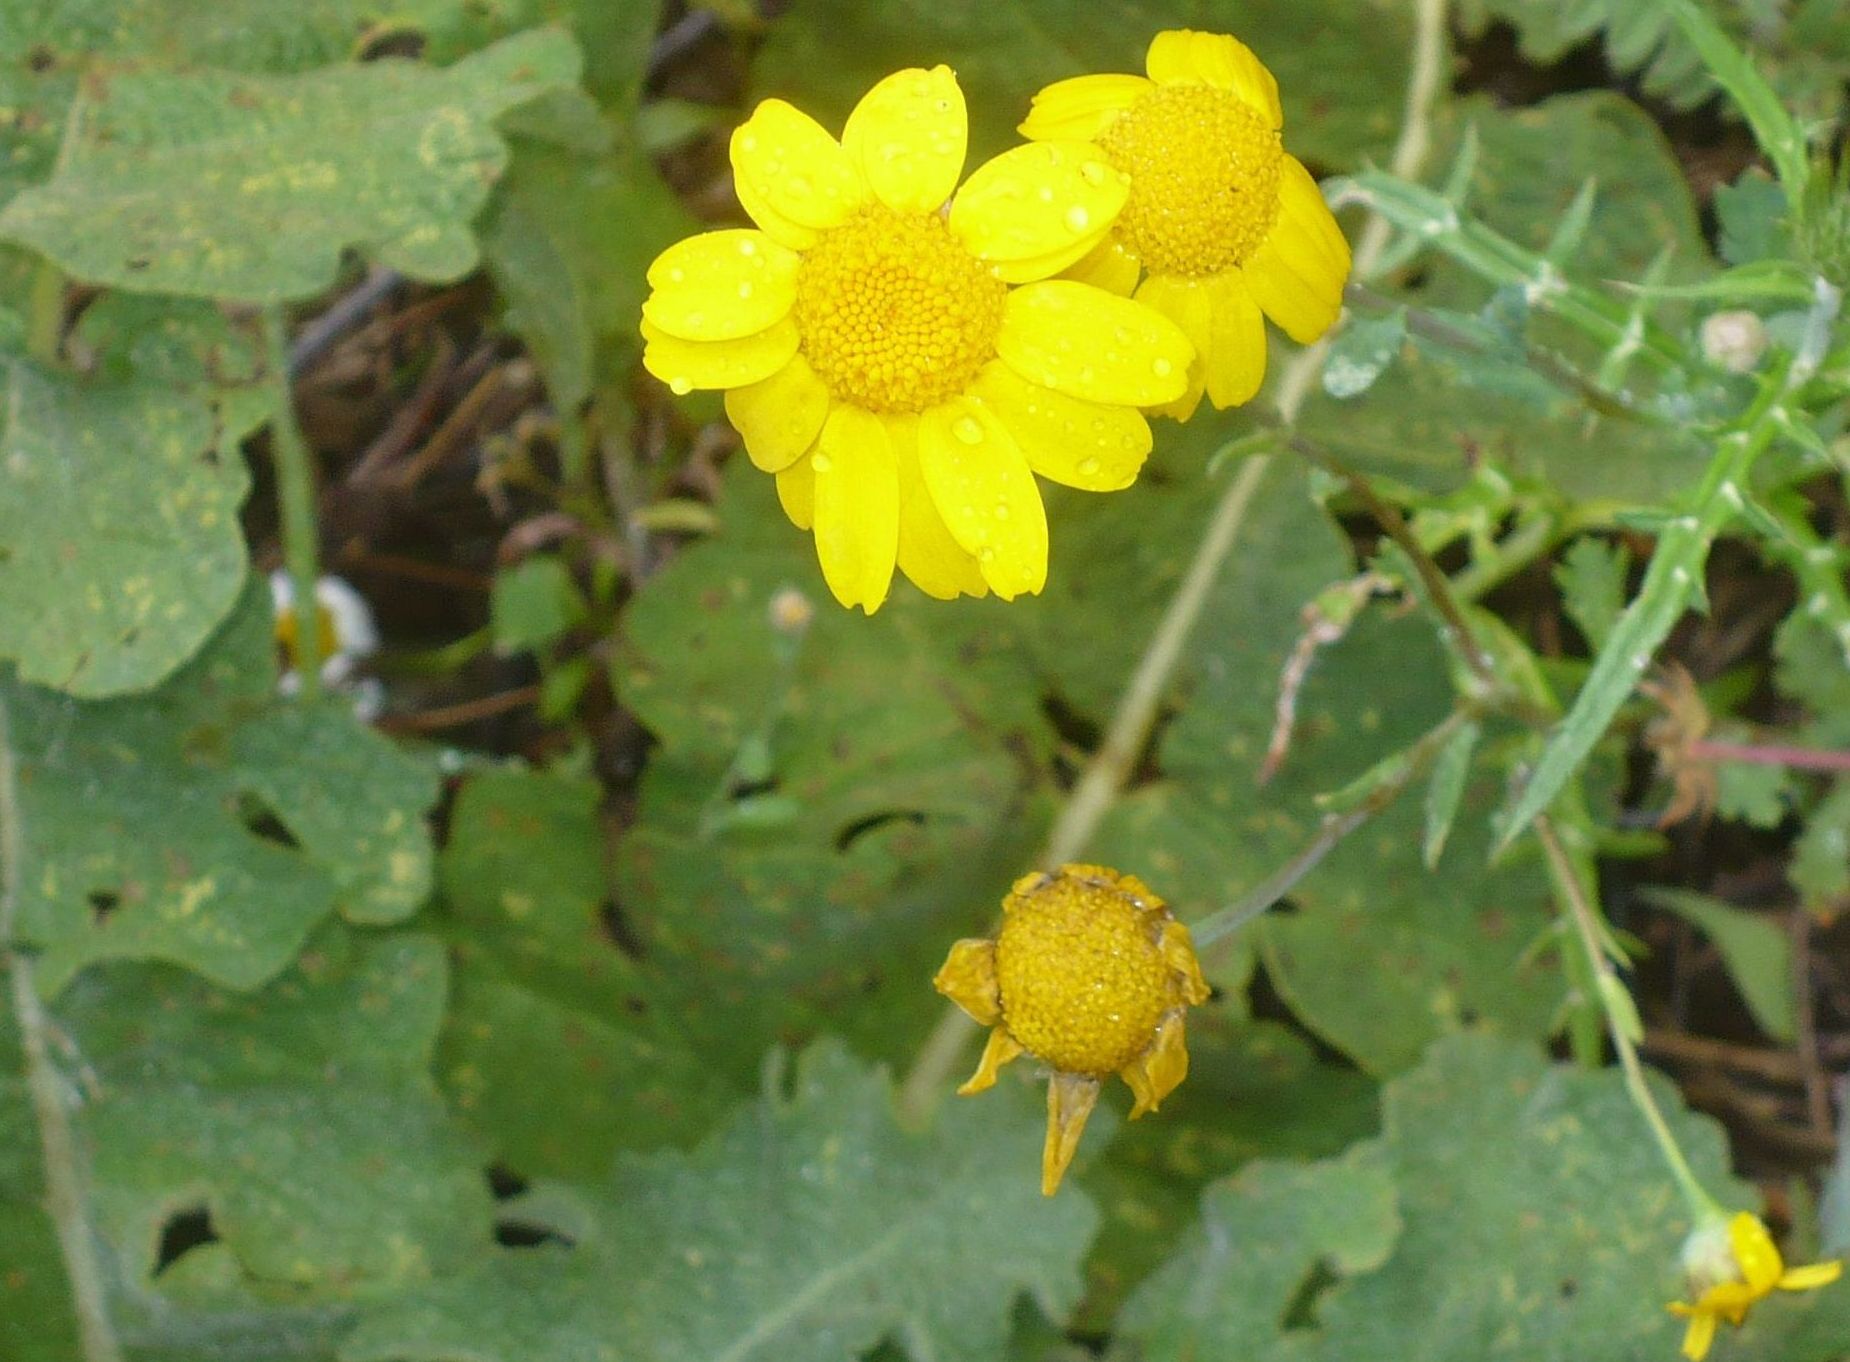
{"type": "Point", "coordinates": [1771, 754]}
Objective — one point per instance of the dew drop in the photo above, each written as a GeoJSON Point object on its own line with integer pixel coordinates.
{"type": "Point", "coordinates": [986, 554]}
{"type": "Point", "coordinates": [748, 247]}
{"type": "Point", "coordinates": [677, 275]}
{"type": "Point", "coordinates": [1046, 193]}
{"type": "Point", "coordinates": [749, 142]}
{"type": "Point", "coordinates": [820, 462]}
{"type": "Point", "coordinates": [1077, 218]}
{"type": "Point", "coordinates": [1161, 367]}
{"type": "Point", "coordinates": [1085, 374]}
{"type": "Point", "coordinates": [1123, 334]}
{"type": "Point", "coordinates": [800, 187]}
{"type": "Point", "coordinates": [1088, 467]}
{"type": "Point", "coordinates": [892, 151]}
{"type": "Point", "coordinates": [969, 430]}
{"type": "Point", "coordinates": [1002, 510]}
{"type": "Point", "coordinates": [1092, 172]}
{"type": "Point", "coordinates": [745, 288]}
{"type": "Point", "coordinates": [696, 319]}
{"type": "Point", "coordinates": [680, 385]}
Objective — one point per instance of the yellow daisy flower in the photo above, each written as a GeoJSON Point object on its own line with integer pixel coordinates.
{"type": "Point", "coordinates": [1091, 976]}
{"type": "Point", "coordinates": [906, 371]}
{"type": "Point", "coordinates": [1732, 1266]}
{"type": "Point", "coordinates": [1223, 227]}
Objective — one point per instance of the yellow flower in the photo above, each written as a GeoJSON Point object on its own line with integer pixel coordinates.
{"type": "Point", "coordinates": [1221, 224]}
{"type": "Point", "coordinates": [1732, 1266]}
{"type": "Point", "coordinates": [1091, 976]}
{"type": "Point", "coordinates": [876, 357]}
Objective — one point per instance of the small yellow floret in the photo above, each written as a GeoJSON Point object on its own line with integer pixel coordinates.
{"type": "Point", "coordinates": [895, 315]}
{"type": "Point", "coordinates": [1204, 170]}
{"type": "Point", "coordinates": [1082, 978]}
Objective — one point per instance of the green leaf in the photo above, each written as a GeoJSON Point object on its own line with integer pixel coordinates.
{"type": "Point", "coordinates": [559, 1047]}
{"type": "Point", "coordinates": [85, 606]}
{"type": "Point", "coordinates": [251, 850]}
{"type": "Point", "coordinates": [1757, 953]}
{"type": "Point", "coordinates": [36, 1320]}
{"type": "Point", "coordinates": [1361, 351]}
{"type": "Point", "coordinates": [1751, 213]}
{"type": "Point", "coordinates": [1262, 1236]}
{"type": "Point", "coordinates": [1592, 576]}
{"type": "Point", "coordinates": [302, 1120]}
{"type": "Point", "coordinates": [1760, 796]}
{"type": "Point", "coordinates": [1341, 64]}
{"type": "Point", "coordinates": [1487, 1146]}
{"type": "Point", "coordinates": [1820, 868]}
{"type": "Point", "coordinates": [1445, 790]}
{"type": "Point", "coordinates": [810, 1227]}
{"type": "Point", "coordinates": [533, 603]}
{"type": "Point", "coordinates": [283, 173]}
{"type": "Point", "coordinates": [1778, 132]}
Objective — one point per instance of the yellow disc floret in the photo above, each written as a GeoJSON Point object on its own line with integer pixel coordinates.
{"type": "Point", "coordinates": [894, 314]}
{"type": "Point", "coordinates": [1082, 979]}
{"type": "Point", "coordinates": [1204, 170]}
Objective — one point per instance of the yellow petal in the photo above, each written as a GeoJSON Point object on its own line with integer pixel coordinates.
{"type": "Point", "coordinates": [786, 167]}
{"type": "Point", "coordinates": [1294, 275]}
{"type": "Point", "coordinates": [1090, 344]}
{"type": "Point", "coordinates": [986, 494]}
{"type": "Point", "coordinates": [1187, 303]}
{"type": "Point", "coordinates": [1178, 949]}
{"type": "Point", "coordinates": [928, 554]}
{"type": "Point", "coordinates": [1082, 107]}
{"type": "Point", "coordinates": [721, 286]}
{"type": "Point", "coordinates": [1184, 57]}
{"type": "Point", "coordinates": [1082, 444]}
{"type": "Point", "coordinates": [1699, 1336]}
{"type": "Point", "coordinates": [1001, 1048]}
{"type": "Point", "coordinates": [779, 417]}
{"type": "Point", "coordinates": [857, 507]}
{"type": "Point", "coordinates": [908, 136]}
{"type": "Point", "coordinates": [1159, 1070]}
{"type": "Point", "coordinates": [1034, 210]}
{"type": "Point", "coordinates": [1811, 1276]}
{"type": "Point", "coordinates": [1303, 212]}
{"type": "Point", "coordinates": [1109, 267]}
{"type": "Point", "coordinates": [1235, 354]}
{"type": "Point", "coordinates": [796, 493]}
{"type": "Point", "coordinates": [1754, 1252]}
{"type": "Point", "coordinates": [968, 978]}
{"type": "Point", "coordinates": [1070, 1099]}
{"type": "Point", "coordinates": [685, 365]}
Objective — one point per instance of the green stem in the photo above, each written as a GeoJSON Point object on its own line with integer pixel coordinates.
{"type": "Point", "coordinates": [45, 313]}
{"type": "Point", "coordinates": [1607, 991]}
{"type": "Point", "coordinates": [295, 492]}
{"type": "Point", "coordinates": [65, 1200]}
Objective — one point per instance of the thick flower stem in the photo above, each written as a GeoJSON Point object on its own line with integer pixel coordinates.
{"type": "Point", "coordinates": [1621, 1020]}
{"type": "Point", "coordinates": [295, 491]}
{"type": "Point", "coordinates": [65, 1202]}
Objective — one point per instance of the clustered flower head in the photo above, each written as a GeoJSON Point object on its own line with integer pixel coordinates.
{"type": "Point", "coordinates": [899, 351]}
{"type": "Point", "coordinates": [1090, 975]}
{"type": "Point", "coordinates": [1733, 1264]}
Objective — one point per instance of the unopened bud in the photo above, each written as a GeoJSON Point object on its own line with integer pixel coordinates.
{"type": "Point", "coordinates": [1734, 340]}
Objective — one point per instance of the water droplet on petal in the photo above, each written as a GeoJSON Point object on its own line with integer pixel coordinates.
{"type": "Point", "coordinates": [986, 554]}
{"type": "Point", "coordinates": [745, 288]}
{"type": "Point", "coordinates": [1088, 467]}
{"type": "Point", "coordinates": [1077, 218]}
{"type": "Point", "coordinates": [1085, 374]}
{"type": "Point", "coordinates": [1123, 334]}
{"type": "Point", "coordinates": [749, 142]}
{"type": "Point", "coordinates": [820, 462]}
{"type": "Point", "coordinates": [1002, 510]}
{"type": "Point", "coordinates": [969, 430]}
{"type": "Point", "coordinates": [676, 275]}
{"type": "Point", "coordinates": [696, 319]}
{"type": "Point", "coordinates": [680, 385]}
{"type": "Point", "coordinates": [1092, 172]}
{"type": "Point", "coordinates": [1161, 367]}
{"type": "Point", "coordinates": [800, 187]}
{"type": "Point", "coordinates": [748, 247]}
{"type": "Point", "coordinates": [1046, 193]}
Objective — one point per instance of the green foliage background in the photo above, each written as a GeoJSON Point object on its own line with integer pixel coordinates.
{"type": "Point", "coordinates": [288, 1012]}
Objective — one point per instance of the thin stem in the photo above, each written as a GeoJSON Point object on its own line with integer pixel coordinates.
{"type": "Point", "coordinates": [1770, 754]}
{"type": "Point", "coordinates": [1330, 833]}
{"type": "Point", "coordinates": [45, 313]}
{"type": "Point", "coordinates": [295, 492]}
{"type": "Point", "coordinates": [1608, 989]}
{"type": "Point", "coordinates": [65, 1202]}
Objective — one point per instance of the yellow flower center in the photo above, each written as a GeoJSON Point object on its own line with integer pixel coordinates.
{"type": "Point", "coordinates": [1081, 979]}
{"type": "Point", "coordinates": [326, 634]}
{"type": "Point", "coordinates": [1204, 173]}
{"type": "Point", "coordinates": [894, 314]}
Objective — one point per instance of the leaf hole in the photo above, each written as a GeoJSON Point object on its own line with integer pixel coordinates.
{"type": "Point", "coordinates": [41, 59]}
{"type": "Point", "coordinates": [519, 1234]}
{"type": "Point", "coordinates": [103, 904]}
{"type": "Point", "coordinates": [184, 1231]}
{"type": "Point", "coordinates": [262, 822]}
{"type": "Point", "coordinates": [504, 1184]}
{"type": "Point", "coordinates": [1301, 1313]}
{"type": "Point", "coordinates": [1569, 1288]}
{"type": "Point", "coordinates": [861, 827]}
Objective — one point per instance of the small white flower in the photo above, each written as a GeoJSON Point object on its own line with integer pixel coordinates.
{"type": "Point", "coordinates": [347, 631]}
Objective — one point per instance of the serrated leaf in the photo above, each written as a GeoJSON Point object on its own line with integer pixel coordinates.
{"type": "Point", "coordinates": [533, 603]}
{"type": "Point", "coordinates": [1820, 868]}
{"type": "Point", "coordinates": [559, 1048]}
{"type": "Point", "coordinates": [810, 1228]}
{"type": "Point", "coordinates": [301, 1120]}
{"type": "Point", "coordinates": [252, 851]}
{"type": "Point", "coordinates": [1756, 951]}
{"type": "Point", "coordinates": [1263, 1232]}
{"type": "Point", "coordinates": [1751, 213]}
{"type": "Point", "coordinates": [1759, 795]}
{"type": "Point", "coordinates": [86, 604]}
{"type": "Point", "coordinates": [1340, 64]}
{"type": "Point", "coordinates": [1487, 1145]}
{"type": "Point", "coordinates": [283, 173]}
{"type": "Point", "coordinates": [1593, 577]}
